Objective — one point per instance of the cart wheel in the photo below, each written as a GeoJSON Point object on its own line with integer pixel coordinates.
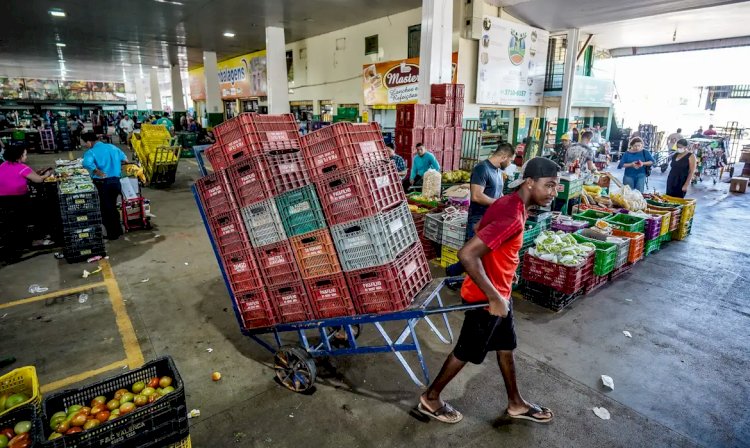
{"type": "Point", "coordinates": [295, 368]}
{"type": "Point", "coordinates": [340, 339]}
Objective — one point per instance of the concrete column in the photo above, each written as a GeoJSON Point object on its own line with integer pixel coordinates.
{"type": "Point", "coordinates": [435, 45]}
{"type": "Point", "coordinates": [178, 97]}
{"type": "Point", "coordinates": [569, 73]}
{"type": "Point", "coordinates": [155, 92]}
{"type": "Point", "coordinates": [214, 108]}
{"type": "Point", "coordinates": [278, 86]}
{"type": "Point", "coordinates": [140, 94]}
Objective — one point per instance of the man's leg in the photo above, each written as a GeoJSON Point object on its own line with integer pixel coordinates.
{"type": "Point", "coordinates": [110, 217]}
{"type": "Point", "coordinates": [516, 404]}
{"type": "Point", "coordinates": [451, 367]}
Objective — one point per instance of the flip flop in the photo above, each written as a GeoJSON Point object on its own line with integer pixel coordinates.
{"type": "Point", "coordinates": [446, 414]}
{"type": "Point", "coordinates": [529, 415]}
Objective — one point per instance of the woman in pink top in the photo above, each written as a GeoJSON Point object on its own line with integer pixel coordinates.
{"type": "Point", "coordinates": [14, 200]}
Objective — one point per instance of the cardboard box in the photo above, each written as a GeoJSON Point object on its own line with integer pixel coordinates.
{"type": "Point", "coordinates": [738, 184]}
{"type": "Point", "coordinates": [745, 157]}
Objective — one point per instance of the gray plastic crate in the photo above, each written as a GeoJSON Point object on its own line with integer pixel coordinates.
{"type": "Point", "coordinates": [375, 240]}
{"type": "Point", "coordinates": [454, 234]}
{"type": "Point", "coordinates": [263, 223]}
{"type": "Point", "coordinates": [433, 227]}
{"type": "Point", "coordinates": [623, 249]}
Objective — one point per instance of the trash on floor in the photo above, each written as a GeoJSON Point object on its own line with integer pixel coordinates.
{"type": "Point", "coordinates": [93, 259]}
{"type": "Point", "coordinates": [145, 280]}
{"type": "Point", "coordinates": [83, 298]}
{"type": "Point", "coordinates": [187, 264]}
{"type": "Point", "coordinates": [194, 413]}
{"type": "Point", "coordinates": [608, 382]}
{"type": "Point", "coordinates": [216, 376]}
{"type": "Point", "coordinates": [209, 350]}
{"type": "Point", "coordinates": [36, 289]}
{"type": "Point", "coordinates": [602, 413]}
{"type": "Point", "coordinates": [86, 273]}
{"type": "Point", "coordinates": [627, 334]}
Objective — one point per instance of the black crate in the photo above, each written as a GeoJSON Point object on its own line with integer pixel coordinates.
{"type": "Point", "coordinates": [548, 297]}
{"type": "Point", "coordinates": [159, 424]}
{"type": "Point", "coordinates": [83, 236]}
{"type": "Point", "coordinates": [79, 202]}
{"type": "Point", "coordinates": [81, 219]}
{"type": "Point", "coordinates": [77, 253]}
{"type": "Point", "coordinates": [27, 412]}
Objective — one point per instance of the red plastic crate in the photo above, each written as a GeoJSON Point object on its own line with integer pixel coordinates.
{"type": "Point", "coordinates": [448, 136]}
{"type": "Point", "coordinates": [429, 116]}
{"type": "Point", "coordinates": [407, 139]}
{"type": "Point", "coordinates": [215, 193]}
{"type": "Point", "coordinates": [440, 116]}
{"type": "Point", "coordinates": [242, 271]}
{"type": "Point", "coordinates": [448, 102]}
{"type": "Point", "coordinates": [441, 91]}
{"type": "Point", "coordinates": [343, 145]}
{"type": "Point", "coordinates": [595, 282]}
{"type": "Point", "coordinates": [565, 279]}
{"type": "Point", "coordinates": [458, 119]}
{"type": "Point", "coordinates": [271, 132]}
{"type": "Point", "coordinates": [290, 302]}
{"type": "Point", "coordinates": [255, 308]}
{"type": "Point", "coordinates": [411, 115]}
{"type": "Point", "coordinates": [285, 171]}
{"type": "Point", "coordinates": [215, 156]}
{"type": "Point", "coordinates": [229, 232]}
{"type": "Point", "coordinates": [233, 140]}
{"type": "Point", "coordinates": [439, 156]}
{"type": "Point", "coordinates": [428, 138]}
{"type": "Point", "coordinates": [390, 287]}
{"type": "Point", "coordinates": [438, 139]}
{"type": "Point", "coordinates": [329, 296]}
{"type": "Point", "coordinates": [360, 191]}
{"type": "Point", "coordinates": [458, 90]}
{"type": "Point", "coordinates": [315, 254]}
{"type": "Point", "coordinates": [248, 180]}
{"type": "Point", "coordinates": [458, 138]}
{"type": "Point", "coordinates": [277, 263]}
{"type": "Point", "coordinates": [447, 163]}
{"type": "Point", "coordinates": [458, 105]}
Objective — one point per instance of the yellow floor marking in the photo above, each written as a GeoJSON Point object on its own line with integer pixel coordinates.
{"type": "Point", "coordinates": [124, 325]}
{"type": "Point", "coordinates": [59, 384]}
{"type": "Point", "coordinates": [53, 295]}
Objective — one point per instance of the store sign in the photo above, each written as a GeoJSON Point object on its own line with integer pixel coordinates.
{"type": "Point", "coordinates": [52, 89]}
{"type": "Point", "coordinates": [11, 88]}
{"type": "Point", "coordinates": [511, 63]}
{"type": "Point", "coordinates": [240, 77]}
{"type": "Point", "coordinates": [395, 82]}
{"type": "Point", "coordinates": [593, 92]}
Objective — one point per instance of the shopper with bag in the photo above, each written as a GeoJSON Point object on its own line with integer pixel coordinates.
{"type": "Point", "coordinates": [637, 163]}
{"type": "Point", "coordinates": [104, 162]}
{"type": "Point", "coordinates": [491, 259]}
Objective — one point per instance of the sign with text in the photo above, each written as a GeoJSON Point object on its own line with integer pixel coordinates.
{"type": "Point", "coordinates": [395, 82]}
{"type": "Point", "coordinates": [511, 63]}
{"type": "Point", "coordinates": [240, 77]}
{"type": "Point", "coordinates": [593, 92]}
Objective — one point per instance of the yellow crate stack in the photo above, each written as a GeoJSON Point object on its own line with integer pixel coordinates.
{"type": "Point", "coordinates": [154, 150]}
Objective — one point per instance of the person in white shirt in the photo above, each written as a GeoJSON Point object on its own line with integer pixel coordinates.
{"type": "Point", "coordinates": [672, 139]}
{"type": "Point", "coordinates": [127, 125]}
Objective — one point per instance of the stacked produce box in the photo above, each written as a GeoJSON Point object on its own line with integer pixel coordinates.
{"type": "Point", "coordinates": [80, 212]}
{"type": "Point", "coordinates": [64, 140]}
{"type": "Point", "coordinates": [269, 203]}
{"type": "Point", "coordinates": [436, 125]}
{"type": "Point", "coordinates": [158, 158]}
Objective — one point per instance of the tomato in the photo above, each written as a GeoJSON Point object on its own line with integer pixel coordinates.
{"type": "Point", "coordinates": [138, 387]}
{"type": "Point", "coordinates": [78, 420]}
{"type": "Point", "coordinates": [8, 432]}
{"type": "Point", "coordinates": [73, 409]}
{"type": "Point", "coordinates": [167, 390]}
{"type": "Point", "coordinates": [127, 408]}
{"type": "Point", "coordinates": [54, 435]}
{"type": "Point", "coordinates": [22, 427]}
{"type": "Point", "coordinates": [20, 441]}
{"type": "Point", "coordinates": [148, 391]}
{"type": "Point", "coordinates": [101, 399]}
{"type": "Point", "coordinates": [119, 393]}
{"type": "Point", "coordinates": [63, 427]}
{"type": "Point", "coordinates": [3, 441]}
{"type": "Point", "coordinates": [85, 410]}
{"type": "Point", "coordinates": [216, 376]}
{"type": "Point", "coordinates": [140, 400]}
{"type": "Point", "coordinates": [152, 398]}
{"type": "Point", "coordinates": [97, 409]}
{"type": "Point", "coordinates": [165, 381]}
{"type": "Point", "coordinates": [113, 404]}
{"type": "Point", "coordinates": [93, 423]}
{"type": "Point", "coordinates": [74, 430]}
{"type": "Point", "coordinates": [153, 382]}
{"type": "Point", "coordinates": [127, 397]}
{"type": "Point", "coordinates": [103, 416]}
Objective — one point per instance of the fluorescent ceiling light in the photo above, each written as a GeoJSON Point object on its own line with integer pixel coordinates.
{"type": "Point", "coordinates": [59, 44]}
{"type": "Point", "coordinates": [56, 13]}
{"type": "Point", "coordinates": [153, 66]}
{"type": "Point", "coordinates": [228, 34]}
{"type": "Point", "coordinates": [171, 2]}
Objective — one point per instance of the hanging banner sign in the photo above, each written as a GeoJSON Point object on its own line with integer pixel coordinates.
{"type": "Point", "coordinates": [511, 63]}
{"type": "Point", "coordinates": [240, 77]}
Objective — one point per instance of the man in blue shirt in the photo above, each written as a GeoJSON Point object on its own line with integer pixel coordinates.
{"type": "Point", "coordinates": [422, 162]}
{"type": "Point", "coordinates": [104, 162]}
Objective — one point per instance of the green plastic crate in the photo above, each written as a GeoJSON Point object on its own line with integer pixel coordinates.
{"type": "Point", "coordinates": [605, 256]}
{"type": "Point", "coordinates": [652, 246]}
{"type": "Point", "coordinates": [300, 211]}
{"type": "Point", "coordinates": [569, 189]}
{"type": "Point", "coordinates": [627, 223]}
{"type": "Point", "coordinates": [591, 216]}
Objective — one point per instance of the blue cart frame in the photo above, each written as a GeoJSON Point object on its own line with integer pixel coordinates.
{"type": "Point", "coordinates": [294, 365]}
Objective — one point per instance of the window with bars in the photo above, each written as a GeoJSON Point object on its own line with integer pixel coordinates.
{"type": "Point", "coordinates": [414, 40]}
{"type": "Point", "coordinates": [553, 79]}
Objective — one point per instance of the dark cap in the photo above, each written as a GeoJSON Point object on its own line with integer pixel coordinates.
{"type": "Point", "coordinates": [539, 167]}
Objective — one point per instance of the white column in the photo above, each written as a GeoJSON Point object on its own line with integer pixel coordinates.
{"type": "Point", "coordinates": [569, 73]}
{"type": "Point", "coordinates": [155, 92]}
{"type": "Point", "coordinates": [178, 98]}
{"type": "Point", "coordinates": [278, 86]}
{"type": "Point", "coordinates": [140, 94]}
{"type": "Point", "coordinates": [435, 46]}
{"type": "Point", "coordinates": [213, 94]}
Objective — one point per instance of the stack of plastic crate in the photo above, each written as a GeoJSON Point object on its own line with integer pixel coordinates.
{"type": "Point", "coordinates": [449, 102]}
{"type": "Point", "coordinates": [411, 121]}
{"type": "Point", "coordinates": [371, 225]}
{"type": "Point", "coordinates": [48, 140]}
{"type": "Point", "coordinates": [64, 140]}
{"type": "Point", "coordinates": [81, 218]}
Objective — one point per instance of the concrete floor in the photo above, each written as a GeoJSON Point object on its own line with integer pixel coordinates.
{"type": "Point", "coordinates": [680, 381]}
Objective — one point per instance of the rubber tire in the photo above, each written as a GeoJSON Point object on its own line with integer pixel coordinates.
{"type": "Point", "coordinates": [295, 368]}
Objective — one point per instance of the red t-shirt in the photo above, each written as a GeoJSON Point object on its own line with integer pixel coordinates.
{"type": "Point", "coordinates": [501, 229]}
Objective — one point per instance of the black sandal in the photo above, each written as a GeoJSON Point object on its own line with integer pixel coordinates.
{"type": "Point", "coordinates": [529, 415]}
{"type": "Point", "coordinates": [446, 414]}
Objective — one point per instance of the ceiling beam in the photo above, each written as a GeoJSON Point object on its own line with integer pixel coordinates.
{"type": "Point", "coordinates": [743, 41]}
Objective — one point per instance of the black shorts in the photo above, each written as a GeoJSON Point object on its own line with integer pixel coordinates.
{"type": "Point", "coordinates": [482, 333]}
